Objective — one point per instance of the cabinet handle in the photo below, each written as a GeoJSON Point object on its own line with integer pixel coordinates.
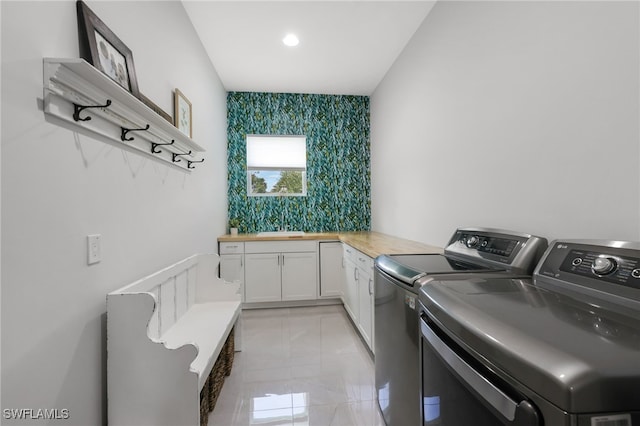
{"type": "Point", "coordinates": [370, 289]}
{"type": "Point", "coordinates": [283, 259]}
{"type": "Point", "coordinates": [356, 275]}
{"type": "Point", "coordinates": [241, 261]}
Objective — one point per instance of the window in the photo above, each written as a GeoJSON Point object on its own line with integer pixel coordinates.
{"type": "Point", "coordinates": [276, 165]}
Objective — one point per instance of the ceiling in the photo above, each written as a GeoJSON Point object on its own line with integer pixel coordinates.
{"type": "Point", "coordinates": [346, 47]}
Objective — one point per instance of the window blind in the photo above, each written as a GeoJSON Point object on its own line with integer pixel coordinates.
{"type": "Point", "coordinates": [276, 152]}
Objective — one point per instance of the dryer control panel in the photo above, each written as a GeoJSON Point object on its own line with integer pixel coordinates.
{"type": "Point", "coordinates": [489, 244]}
{"type": "Point", "coordinates": [515, 251]}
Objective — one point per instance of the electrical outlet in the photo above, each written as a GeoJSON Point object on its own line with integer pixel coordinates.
{"type": "Point", "coordinates": [94, 251]}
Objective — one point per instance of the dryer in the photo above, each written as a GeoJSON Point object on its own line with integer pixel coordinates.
{"type": "Point", "coordinates": [397, 279]}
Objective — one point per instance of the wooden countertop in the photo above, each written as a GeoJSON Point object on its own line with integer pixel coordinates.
{"type": "Point", "coordinates": [370, 243]}
{"type": "Point", "coordinates": [374, 244]}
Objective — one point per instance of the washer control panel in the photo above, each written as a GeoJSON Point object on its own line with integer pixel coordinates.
{"type": "Point", "coordinates": [589, 264]}
{"type": "Point", "coordinates": [611, 267]}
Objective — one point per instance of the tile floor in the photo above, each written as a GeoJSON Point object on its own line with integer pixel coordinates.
{"type": "Point", "coordinates": [299, 366]}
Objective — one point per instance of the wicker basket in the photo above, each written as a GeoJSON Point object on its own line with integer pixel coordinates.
{"type": "Point", "coordinates": [213, 385]}
{"type": "Point", "coordinates": [204, 404]}
{"type": "Point", "coordinates": [229, 351]}
{"type": "Point", "coordinates": [216, 380]}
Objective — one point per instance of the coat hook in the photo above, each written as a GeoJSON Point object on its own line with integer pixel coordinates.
{"type": "Point", "coordinates": [123, 135]}
{"type": "Point", "coordinates": [77, 109]}
{"type": "Point", "coordinates": [177, 155]}
{"type": "Point", "coordinates": [189, 163]}
{"type": "Point", "coordinates": [155, 145]}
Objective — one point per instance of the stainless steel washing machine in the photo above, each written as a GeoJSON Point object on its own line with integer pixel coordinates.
{"type": "Point", "coordinates": [559, 349]}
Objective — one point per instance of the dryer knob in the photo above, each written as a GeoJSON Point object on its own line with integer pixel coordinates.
{"type": "Point", "coordinates": [473, 241]}
{"type": "Point", "coordinates": [603, 265]}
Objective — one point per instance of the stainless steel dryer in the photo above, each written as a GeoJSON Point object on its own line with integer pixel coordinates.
{"type": "Point", "coordinates": [559, 349]}
{"type": "Point", "coordinates": [470, 251]}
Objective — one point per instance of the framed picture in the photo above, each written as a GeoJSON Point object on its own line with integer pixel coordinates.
{"type": "Point", "coordinates": [155, 108]}
{"type": "Point", "coordinates": [104, 50]}
{"type": "Point", "coordinates": [182, 113]}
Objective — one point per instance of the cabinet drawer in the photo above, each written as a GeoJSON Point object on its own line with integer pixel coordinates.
{"type": "Point", "coordinates": [363, 261]}
{"type": "Point", "coordinates": [280, 246]}
{"type": "Point", "coordinates": [231, 247]}
{"type": "Point", "coordinates": [350, 253]}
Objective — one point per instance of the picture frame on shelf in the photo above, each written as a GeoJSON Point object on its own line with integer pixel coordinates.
{"type": "Point", "coordinates": [104, 50]}
{"type": "Point", "coordinates": [155, 108]}
{"type": "Point", "coordinates": [183, 113]}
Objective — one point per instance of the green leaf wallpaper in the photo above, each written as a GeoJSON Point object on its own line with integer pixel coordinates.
{"type": "Point", "coordinates": [338, 160]}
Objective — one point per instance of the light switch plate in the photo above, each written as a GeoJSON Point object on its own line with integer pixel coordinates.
{"type": "Point", "coordinates": [94, 249]}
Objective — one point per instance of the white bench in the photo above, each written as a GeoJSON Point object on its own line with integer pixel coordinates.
{"type": "Point", "coordinates": [164, 334]}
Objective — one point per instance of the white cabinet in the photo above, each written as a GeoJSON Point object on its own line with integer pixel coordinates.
{"type": "Point", "coordinates": [299, 276]}
{"type": "Point", "coordinates": [365, 298]}
{"type": "Point", "coordinates": [232, 268]}
{"type": "Point", "coordinates": [350, 296]}
{"type": "Point", "coordinates": [280, 271]}
{"type": "Point", "coordinates": [263, 279]}
{"type": "Point", "coordinates": [232, 263]}
{"type": "Point", "coordinates": [331, 269]}
{"type": "Point", "coordinates": [358, 295]}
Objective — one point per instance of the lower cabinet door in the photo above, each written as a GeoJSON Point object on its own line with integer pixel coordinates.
{"type": "Point", "coordinates": [299, 276]}
{"type": "Point", "coordinates": [365, 305]}
{"type": "Point", "coordinates": [331, 270]}
{"type": "Point", "coordinates": [262, 277]}
{"type": "Point", "coordinates": [232, 269]}
{"type": "Point", "coordinates": [350, 297]}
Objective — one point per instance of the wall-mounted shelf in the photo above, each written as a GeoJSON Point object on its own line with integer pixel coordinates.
{"type": "Point", "coordinates": [75, 90]}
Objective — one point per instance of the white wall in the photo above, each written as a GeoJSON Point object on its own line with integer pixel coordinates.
{"type": "Point", "coordinates": [59, 186]}
{"type": "Point", "coordinates": [517, 115]}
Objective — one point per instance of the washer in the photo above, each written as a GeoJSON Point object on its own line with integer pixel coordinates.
{"type": "Point", "coordinates": [560, 348]}
{"type": "Point", "coordinates": [470, 251]}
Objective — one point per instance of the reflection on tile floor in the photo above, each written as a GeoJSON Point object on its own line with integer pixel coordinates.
{"type": "Point", "coordinates": [299, 366]}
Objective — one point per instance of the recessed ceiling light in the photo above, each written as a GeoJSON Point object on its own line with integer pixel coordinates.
{"type": "Point", "coordinates": [291, 40]}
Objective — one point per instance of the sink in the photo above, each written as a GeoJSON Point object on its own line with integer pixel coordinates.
{"type": "Point", "coordinates": [281, 234]}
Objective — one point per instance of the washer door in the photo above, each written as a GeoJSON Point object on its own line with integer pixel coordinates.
{"type": "Point", "coordinates": [454, 393]}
